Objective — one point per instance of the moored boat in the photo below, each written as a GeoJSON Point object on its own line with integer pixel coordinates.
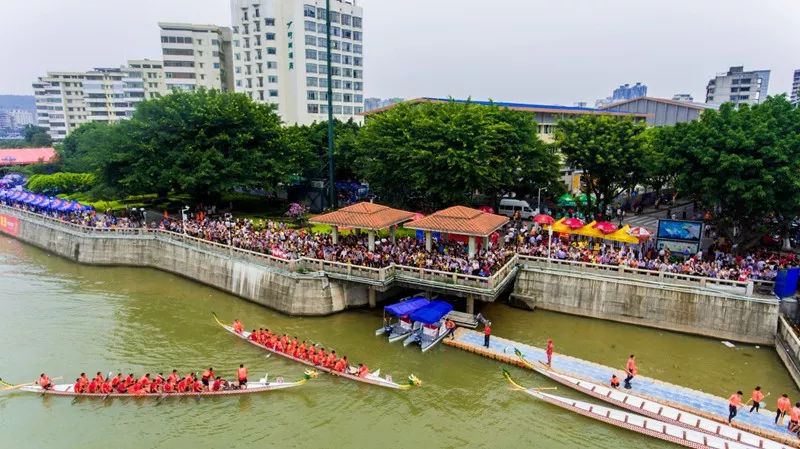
{"type": "Point", "coordinates": [397, 324]}
{"type": "Point", "coordinates": [429, 325]}
{"type": "Point", "coordinates": [263, 385]}
{"type": "Point", "coordinates": [634, 422]}
{"type": "Point", "coordinates": [373, 378]}
{"type": "Point", "coordinates": [653, 409]}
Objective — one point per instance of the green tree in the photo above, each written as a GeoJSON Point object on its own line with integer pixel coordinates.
{"type": "Point", "coordinates": [202, 143]}
{"type": "Point", "coordinates": [36, 136]}
{"type": "Point", "coordinates": [742, 163]}
{"type": "Point", "coordinates": [608, 149]}
{"type": "Point", "coordinates": [658, 171]}
{"type": "Point", "coordinates": [309, 148]}
{"type": "Point", "coordinates": [431, 155]}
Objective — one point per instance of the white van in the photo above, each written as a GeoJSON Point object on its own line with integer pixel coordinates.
{"type": "Point", "coordinates": [510, 205]}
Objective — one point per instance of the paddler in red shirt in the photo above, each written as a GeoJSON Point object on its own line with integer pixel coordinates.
{"type": "Point", "coordinates": [784, 404]}
{"type": "Point", "coordinates": [116, 380]}
{"type": "Point", "coordinates": [181, 386]}
{"type": "Point", "coordinates": [253, 336]}
{"type": "Point", "coordinates": [99, 378]}
{"type": "Point", "coordinates": [734, 402]}
{"type": "Point", "coordinates": [341, 365]}
{"type": "Point", "coordinates": [241, 373]}
{"type": "Point", "coordinates": [84, 381]}
{"type": "Point", "coordinates": [630, 370]}
{"type": "Point", "coordinates": [144, 381]}
{"type": "Point", "coordinates": [756, 396]}
{"type": "Point", "coordinates": [794, 417]}
{"type": "Point", "coordinates": [362, 370]}
{"type": "Point", "coordinates": [106, 388]}
{"type": "Point", "coordinates": [77, 387]}
{"type": "Point", "coordinates": [173, 378]}
{"type": "Point", "coordinates": [237, 326]}
{"type": "Point", "coordinates": [330, 360]}
{"type": "Point", "coordinates": [208, 375]}
{"type": "Point", "coordinates": [197, 386]}
{"type": "Point", "coordinates": [169, 387]}
{"type": "Point", "coordinates": [217, 384]}
{"type": "Point", "coordinates": [549, 351]}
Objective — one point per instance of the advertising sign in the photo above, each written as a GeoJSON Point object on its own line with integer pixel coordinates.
{"type": "Point", "coordinates": [686, 231]}
{"type": "Point", "coordinates": [679, 248]}
{"type": "Point", "coordinates": [9, 225]}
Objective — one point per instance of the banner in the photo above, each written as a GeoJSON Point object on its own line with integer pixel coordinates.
{"type": "Point", "coordinates": [687, 231]}
{"type": "Point", "coordinates": [9, 225]}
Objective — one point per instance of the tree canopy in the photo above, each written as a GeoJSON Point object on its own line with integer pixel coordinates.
{"type": "Point", "coordinates": [742, 163]}
{"type": "Point", "coordinates": [609, 150]}
{"type": "Point", "coordinates": [431, 155]}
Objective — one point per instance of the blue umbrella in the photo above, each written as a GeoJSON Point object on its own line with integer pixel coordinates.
{"type": "Point", "coordinates": [55, 204]}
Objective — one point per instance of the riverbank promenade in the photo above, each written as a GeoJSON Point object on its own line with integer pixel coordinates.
{"type": "Point", "coordinates": [698, 402]}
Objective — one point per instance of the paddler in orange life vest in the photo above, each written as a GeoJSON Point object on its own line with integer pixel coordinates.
{"type": "Point", "coordinates": [45, 382]}
{"type": "Point", "coordinates": [734, 402]}
{"type": "Point", "coordinates": [242, 375]}
{"type": "Point", "coordinates": [784, 404]}
{"type": "Point", "coordinates": [757, 396]}
{"type": "Point", "coordinates": [630, 370]}
{"type": "Point", "coordinates": [237, 326]}
{"type": "Point", "coordinates": [450, 325]}
{"type": "Point", "coordinates": [84, 382]}
{"type": "Point", "coordinates": [549, 351]}
{"type": "Point", "coordinates": [362, 370]}
{"type": "Point", "coordinates": [99, 378]}
{"type": "Point", "coordinates": [330, 360]}
{"type": "Point", "coordinates": [794, 417]}
{"type": "Point", "coordinates": [341, 365]}
{"type": "Point", "coordinates": [173, 378]}
{"type": "Point", "coordinates": [614, 381]}
{"type": "Point", "coordinates": [208, 375]}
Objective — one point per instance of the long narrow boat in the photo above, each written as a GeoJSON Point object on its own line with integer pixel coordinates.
{"type": "Point", "coordinates": [263, 385]}
{"type": "Point", "coordinates": [635, 423]}
{"type": "Point", "coordinates": [373, 378]}
{"type": "Point", "coordinates": [429, 325]}
{"type": "Point", "coordinates": [653, 409]}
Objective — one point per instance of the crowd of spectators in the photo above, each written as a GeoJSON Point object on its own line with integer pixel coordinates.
{"type": "Point", "coordinates": [281, 240]}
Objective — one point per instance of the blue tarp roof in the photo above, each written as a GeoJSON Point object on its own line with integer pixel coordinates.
{"type": "Point", "coordinates": [431, 313]}
{"type": "Point", "coordinates": [405, 307]}
{"type": "Point", "coordinates": [509, 104]}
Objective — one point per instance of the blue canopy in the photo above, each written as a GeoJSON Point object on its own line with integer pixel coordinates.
{"type": "Point", "coordinates": [431, 313]}
{"type": "Point", "coordinates": [405, 307]}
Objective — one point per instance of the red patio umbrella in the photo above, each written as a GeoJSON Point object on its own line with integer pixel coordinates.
{"type": "Point", "coordinates": [606, 227]}
{"type": "Point", "coordinates": [640, 233]}
{"type": "Point", "coordinates": [573, 223]}
{"type": "Point", "coordinates": [544, 219]}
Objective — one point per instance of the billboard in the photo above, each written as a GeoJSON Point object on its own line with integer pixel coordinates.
{"type": "Point", "coordinates": [9, 225]}
{"type": "Point", "coordinates": [679, 248]}
{"type": "Point", "coordinates": [680, 230]}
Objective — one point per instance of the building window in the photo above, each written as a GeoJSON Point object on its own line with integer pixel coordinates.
{"type": "Point", "coordinates": [356, 35]}
{"type": "Point", "coordinates": [347, 34]}
{"type": "Point", "coordinates": [313, 109]}
{"type": "Point", "coordinates": [311, 81]}
{"type": "Point", "coordinates": [347, 19]}
{"type": "Point", "coordinates": [309, 11]}
{"type": "Point", "coordinates": [321, 14]}
{"type": "Point", "coordinates": [357, 22]}
{"type": "Point", "coordinates": [216, 65]}
{"type": "Point", "coordinates": [310, 25]}
{"type": "Point", "coordinates": [321, 28]}
{"type": "Point", "coordinates": [311, 68]}
{"type": "Point", "coordinates": [311, 40]}
{"type": "Point", "coordinates": [347, 110]}
{"type": "Point", "coordinates": [272, 79]}
{"type": "Point", "coordinates": [271, 50]}
{"type": "Point", "coordinates": [269, 21]}
{"type": "Point", "coordinates": [357, 48]}
{"type": "Point", "coordinates": [311, 95]}
{"type": "Point", "coordinates": [272, 65]}
{"type": "Point", "coordinates": [357, 61]}
{"type": "Point", "coordinates": [269, 36]}
{"type": "Point", "coordinates": [311, 54]}
{"type": "Point", "coordinates": [273, 93]}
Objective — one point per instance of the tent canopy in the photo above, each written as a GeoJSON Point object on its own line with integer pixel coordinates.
{"type": "Point", "coordinates": [432, 313]}
{"type": "Point", "coordinates": [405, 307]}
{"type": "Point", "coordinates": [621, 235]}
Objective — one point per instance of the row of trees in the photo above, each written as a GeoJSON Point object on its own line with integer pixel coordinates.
{"type": "Point", "coordinates": [32, 137]}
{"type": "Point", "coordinates": [207, 143]}
{"type": "Point", "coordinates": [740, 163]}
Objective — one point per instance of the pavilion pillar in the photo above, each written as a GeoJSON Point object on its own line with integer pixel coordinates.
{"type": "Point", "coordinates": [371, 234]}
{"type": "Point", "coordinates": [470, 304]}
{"type": "Point", "coordinates": [428, 241]}
{"type": "Point", "coordinates": [393, 233]}
{"type": "Point", "coordinates": [371, 291]}
{"type": "Point", "coordinates": [335, 235]}
{"type": "Point", "coordinates": [486, 243]}
{"type": "Point", "coordinates": [471, 246]}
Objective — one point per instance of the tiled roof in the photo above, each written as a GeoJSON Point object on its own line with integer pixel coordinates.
{"type": "Point", "coordinates": [460, 220]}
{"type": "Point", "coordinates": [364, 216]}
{"type": "Point", "coordinates": [26, 156]}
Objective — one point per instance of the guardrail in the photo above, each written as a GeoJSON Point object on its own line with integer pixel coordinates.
{"type": "Point", "coordinates": [746, 287]}
{"type": "Point", "coordinates": [357, 273]}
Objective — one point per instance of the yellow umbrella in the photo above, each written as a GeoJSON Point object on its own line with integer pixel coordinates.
{"type": "Point", "coordinates": [560, 227]}
{"type": "Point", "coordinates": [590, 231]}
{"type": "Point", "coordinates": [621, 235]}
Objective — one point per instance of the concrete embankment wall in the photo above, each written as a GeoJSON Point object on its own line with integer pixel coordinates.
{"type": "Point", "coordinates": [288, 292]}
{"type": "Point", "coordinates": [787, 344]}
{"type": "Point", "coordinates": [679, 308]}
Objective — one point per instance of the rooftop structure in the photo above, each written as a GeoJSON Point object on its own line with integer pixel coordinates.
{"type": "Point", "coordinates": [459, 220]}
{"type": "Point", "coordinates": [660, 111]}
{"type": "Point", "coordinates": [370, 216]}
{"type": "Point", "coordinates": [26, 156]}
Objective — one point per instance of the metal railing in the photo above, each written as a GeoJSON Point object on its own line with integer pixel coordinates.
{"type": "Point", "coordinates": [746, 287]}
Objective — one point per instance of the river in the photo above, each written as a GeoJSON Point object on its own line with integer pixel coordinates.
{"type": "Point", "coordinates": [65, 318]}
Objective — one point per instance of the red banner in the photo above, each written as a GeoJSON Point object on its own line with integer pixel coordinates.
{"type": "Point", "coordinates": [9, 225]}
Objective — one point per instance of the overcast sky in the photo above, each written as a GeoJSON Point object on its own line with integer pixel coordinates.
{"type": "Point", "coordinates": [555, 51]}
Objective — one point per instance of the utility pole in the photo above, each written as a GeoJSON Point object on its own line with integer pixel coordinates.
{"type": "Point", "coordinates": [331, 182]}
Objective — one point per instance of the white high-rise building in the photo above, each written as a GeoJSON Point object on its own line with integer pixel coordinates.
{"type": "Point", "coordinates": [796, 88]}
{"type": "Point", "coordinates": [196, 56]}
{"type": "Point", "coordinates": [66, 100]}
{"type": "Point", "coordinates": [280, 57]}
{"type": "Point", "coordinates": [152, 76]}
{"type": "Point", "coordinates": [737, 87]}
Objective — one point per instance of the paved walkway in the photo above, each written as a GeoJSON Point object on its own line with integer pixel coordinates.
{"type": "Point", "coordinates": [710, 406]}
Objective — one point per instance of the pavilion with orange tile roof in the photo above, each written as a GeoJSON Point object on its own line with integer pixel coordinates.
{"type": "Point", "coordinates": [460, 220]}
{"type": "Point", "coordinates": [369, 216]}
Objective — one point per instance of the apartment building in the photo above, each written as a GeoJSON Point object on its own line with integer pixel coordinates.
{"type": "Point", "coordinates": [196, 56]}
{"type": "Point", "coordinates": [738, 87]}
{"type": "Point", "coordinates": [66, 100]}
{"type": "Point", "coordinates": [152, 75]}
{"type": "Point", "coordinates": [795, 98]}
{"type": "Point", "coordinates": [280, 57]}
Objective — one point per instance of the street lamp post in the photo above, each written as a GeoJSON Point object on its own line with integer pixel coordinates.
{"type": "Point", "coordinates": [183, 218]}
{"type": "Point", "coordinates": [549, 241]}
{"type": "Point", "coordinates": [331, 184]}
{"type": "Point", "coordinates": [539, 201]}
{"type": "Point", "coordinates": [144, 216]}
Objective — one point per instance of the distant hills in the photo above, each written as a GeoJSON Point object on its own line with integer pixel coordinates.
{"type": "Point", "coordinates": [17, 102]}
